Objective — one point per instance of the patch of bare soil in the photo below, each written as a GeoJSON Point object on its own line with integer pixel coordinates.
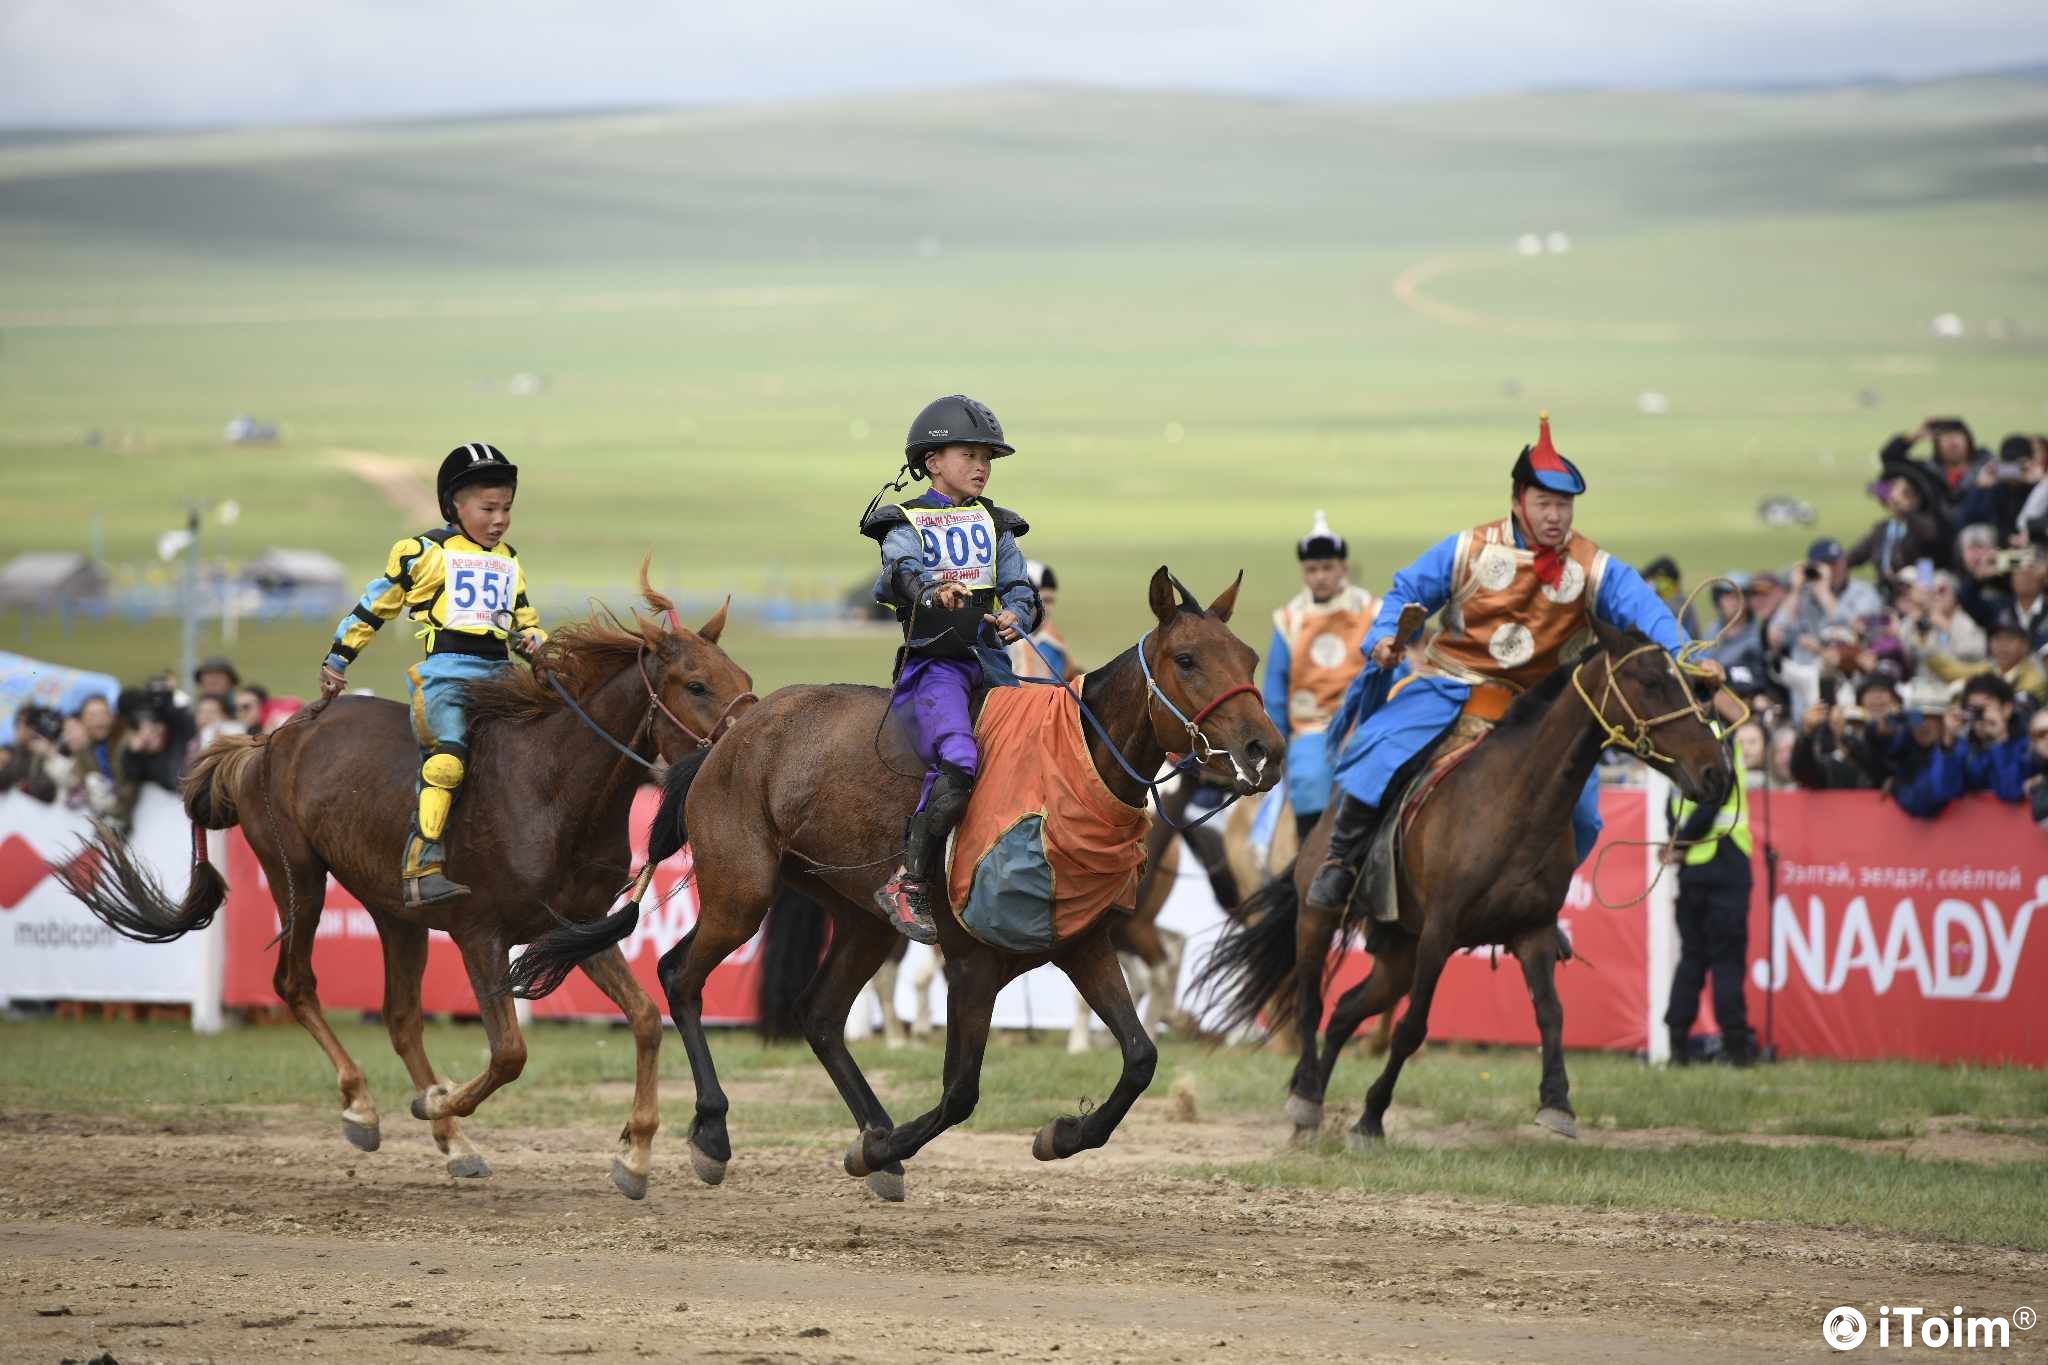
{"type": "Point", "coordinates": [401, 483]}
{"type": "Point", "coordinates": [273, 1237]}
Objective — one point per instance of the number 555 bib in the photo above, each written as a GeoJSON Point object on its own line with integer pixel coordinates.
{"type": "Point", "coordinates": [478, 587]}
{"type": "Point", "coordinates": [959, 544]}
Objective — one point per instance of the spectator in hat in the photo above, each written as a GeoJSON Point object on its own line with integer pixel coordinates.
{"type": "Point", "coordinates": [1823, 595]}
{"type": "Point", "coordinates": [1955, 452]}
{"type": "Point", "coordinates": [1977, 749]}
{"type": "Point", "coordinates": [2029, 602]}
{"type": "Point", "coordinates": [1913, 528]}
{"type": "Point", "coordinates": [1738, 646]}
{"type": "Point", "coordinates": [216, 677]}
{"type": "Point", "coordinates": [2010, 660]}
{"type": "Point", "coordinates": [1664, 579]}
{"type": "Point", "coordinates": [1931, 621]}
{"type": "Point", "coordinates": [2000, 487]}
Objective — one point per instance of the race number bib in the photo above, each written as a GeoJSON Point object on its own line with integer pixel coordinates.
{"type": "Point", "coordinates": [479, 587]}
{"type": "Point", "coordinates": [959, 544]}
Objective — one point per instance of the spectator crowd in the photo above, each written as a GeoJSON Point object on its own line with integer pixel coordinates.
{"type": "Point", "coordinates": [100, 757]}
{"type": "Point", "coordinates": [1910, 660]}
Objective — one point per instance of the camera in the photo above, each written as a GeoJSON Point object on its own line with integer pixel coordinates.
{"type": "Point", "coordinates": [1810, 572]}
{"type": "Point", "coordinates": [42, 721]}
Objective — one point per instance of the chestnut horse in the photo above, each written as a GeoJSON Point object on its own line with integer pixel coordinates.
{"type": "Point", "coordinates": [1488, 860]}
{"type": "Point", "coordinates": [804, 789]}
{"type": "Point", "coordinates": [539, 832]}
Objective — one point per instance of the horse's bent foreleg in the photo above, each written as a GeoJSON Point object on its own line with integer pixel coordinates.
{"type": "Point", "coordinates": [1382, 989]}
{"type": "Point", "coordinates": [1312, 935]}
{"type": "Point", "coordinates": [859, 942]}
{"type": "Point", "coordinates": [635, 1158]}
{"type": "Point", "coordinates": [972, 979]}
{"type": "Point", "coordinates": [487, 961]}
{"type": "Point", "coordinates": [405, 963]}
{"type": "Point", "coordinates": [1537, 952]}
{"type": "Point", "coordinates": [1430, 957]}
{"type": "Point", "coordinates": [1092, 965]}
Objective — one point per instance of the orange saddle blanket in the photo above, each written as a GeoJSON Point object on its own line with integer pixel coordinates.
{"type": "Point", "coordinates": [1044, 848]}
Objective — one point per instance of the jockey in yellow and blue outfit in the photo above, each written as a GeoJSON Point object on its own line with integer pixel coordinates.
{"type": "Point", "coordinates": [465, 587]}
{"type": "Point", "coordinates": [1310, 664]}
{"type": "Point", "coordinates": [1516, 594]}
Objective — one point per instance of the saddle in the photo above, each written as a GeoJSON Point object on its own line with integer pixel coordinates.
{"type": "Point", "coordinates": [1378, 888]}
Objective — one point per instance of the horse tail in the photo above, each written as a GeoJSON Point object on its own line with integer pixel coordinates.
{"type": "Point", "coordinates": [549, 959]}
{"type": "Point", "coordinates": [127, 897]}
{"type": "Point", "coordinates": [793, 940]}
{"type": "Point", "coordinates": [209, 788]}
{"type": "Point", "coordinates": [1254, 959]}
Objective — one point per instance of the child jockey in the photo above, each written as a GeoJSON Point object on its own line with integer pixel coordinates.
{"type": "Point", "coordinates": [1515, 594]}
{"type": "Point", "coordinates": [950, 568]}
{"type": "Point", "coordinates": [466, 587]}
{"type": "Point", "coordinates": [1027, 662]}
{"type": "Point", "coordinates": [1311, 662]}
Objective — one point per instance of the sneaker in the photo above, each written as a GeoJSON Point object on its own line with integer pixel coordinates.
{"type": "Point", "coordinates": [906, 903]}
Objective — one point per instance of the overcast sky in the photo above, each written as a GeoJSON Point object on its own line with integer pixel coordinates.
{"type": "Point", "coordinates": [147, 62]}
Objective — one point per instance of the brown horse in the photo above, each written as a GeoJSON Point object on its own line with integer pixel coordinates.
{"type": "Point", "coordinates": [802, 789]}
{"type": "Point", "coordinates": [1487, 861]}
{"type": "Point", "coordinates": [540, 832]}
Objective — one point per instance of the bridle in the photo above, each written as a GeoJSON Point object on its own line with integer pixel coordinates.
{"type": "Point", "coordinates": [704, 741]}
{"type": "Point", "coordinates": [1198, 744]}
{"type": "Point", "coordinates": [1637, 736]}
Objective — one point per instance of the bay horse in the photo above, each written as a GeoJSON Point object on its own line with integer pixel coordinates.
{"type": "Point", "coordinates": [1487, 861]}
{"type": "Point", "coordinates": [802, 790]}
{"type": "Point", "coordinates": [539, 832]}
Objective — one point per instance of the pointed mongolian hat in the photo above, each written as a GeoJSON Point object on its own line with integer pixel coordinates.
{"type": "Point", "coordinates": [1543, 467]}
{"type": "Point", "coordinates": [1321, 542]}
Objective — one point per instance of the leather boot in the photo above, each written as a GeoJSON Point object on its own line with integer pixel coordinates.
{"type": "Point", "coordinates": [906, 898]}
{"type": "Point", "coordinates": [1351, 830]}
{"type": "Point", "coordinates": [426, 881]}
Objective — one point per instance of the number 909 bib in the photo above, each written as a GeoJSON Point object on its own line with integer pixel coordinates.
{"type": "Point", "coordinates": [959, 544]}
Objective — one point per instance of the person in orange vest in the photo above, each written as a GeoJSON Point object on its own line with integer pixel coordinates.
{"type": "Point", "coordinates": [1310, 663]}
{"type": "Point", "coordinates": [1042, 653]}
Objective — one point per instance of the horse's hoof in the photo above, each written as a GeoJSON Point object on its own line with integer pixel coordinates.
{"type": "Point", "coordinates": [1558, 1122]}
{"type": "Point", "coordinates": [1042, 1146]}
{"type": "Point", "coordinates": [367, 1136]}
{"type": "Point", "coordinates": [1305, 1114]}
{"type": "Point", "coordinates": [1077, 1044]}
{"type": "Point", "coordinates": [631, 1185]}
{"type": "Point", "coordinates": [468, 1166]}
{"type": "Point", "coordinates": [709, 1168]}
{"type": "Point", "coordinates": [887, 1186]}
{"type": "Point", "coordinates": [1360, 1143]}
{"type": "Point", "coordinates": [895, 1042]}
{"type": "Point", "coordinates": [857, 1158]}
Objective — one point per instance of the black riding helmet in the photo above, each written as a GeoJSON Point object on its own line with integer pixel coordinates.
{"type": "Point", "coordinates": [476, 462]}
{"type": "Point", "coordinates": [955, 420]}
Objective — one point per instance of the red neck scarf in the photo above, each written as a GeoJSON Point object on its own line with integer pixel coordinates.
{"type": "Point", "coordinates": [1549, 565]}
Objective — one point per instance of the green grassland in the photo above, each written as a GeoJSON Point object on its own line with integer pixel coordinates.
{"type": "Point", "coordinates": [1182, 306]}
{"type": "Point", "coordinates": [1795, 1143]}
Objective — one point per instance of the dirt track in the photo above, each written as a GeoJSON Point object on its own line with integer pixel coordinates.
{"type": "Point", "coordinates": [187, 1242]}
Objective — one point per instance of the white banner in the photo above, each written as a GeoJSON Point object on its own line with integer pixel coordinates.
{"type": "Point", "coordinates": [51, 948]}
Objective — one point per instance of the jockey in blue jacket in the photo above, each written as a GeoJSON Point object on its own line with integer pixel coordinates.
{"type": "Point", "coordinates": [1310, 663]}
{"type": "Point", "coordinates": [1516, 595]}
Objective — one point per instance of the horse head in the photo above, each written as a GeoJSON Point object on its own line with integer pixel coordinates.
{"type": "Point", "coordinates": [1205, 674]}
{"type": "Point", "coordinates": [1655, 711]}
{"type": "Point", "coordinates": [696, 685]}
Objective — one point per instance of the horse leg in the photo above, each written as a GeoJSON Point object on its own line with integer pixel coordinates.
{"type": "Point", "coordinates": [405, 963]}
{"type": "Point", "coordinates": [1091, 964]}
{"type": "Point", "coordinates": [732, 902]}
{"type": "Point", "coordinates": [921, 992]}
{"type": "Point", "coordinates": [859, 942]}
{"type": "Point", "coordinates": [894, 1035]}
{"type": "Point", "coordinates": [1430, 957]}
{"type": "Point", "coordinates": [487, 960]}
{"type": "Point", "coordinates": [1392, 972]}
{"type": "Point", "coordinates": [1078, 1040]}
{"type": "Point", "coordinates": [296, 985]}
{"type": "Point", "coordinates": [1312, 935]}
{"type": "Point", "coordinates": [972, 980]}
{"type": "Point", "coordinates": [1537, 952]}
{"type": "Point", "coordinates": [1162, 995]}
{"type": "Point", "coordinates": [635, 1159]}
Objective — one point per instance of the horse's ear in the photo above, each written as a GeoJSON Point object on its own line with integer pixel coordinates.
{"type": "Point", "coordinates": [1162, 595]}
{"type": "Point", "coordinates": [711, 629]}
{"type": "Point", "coordinates": [1226, 601]}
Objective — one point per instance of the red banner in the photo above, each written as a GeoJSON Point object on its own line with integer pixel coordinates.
{"type": "Point", "coordinates": [1482, 999]}
{"type": "Point", "coordinates": [349, 962]}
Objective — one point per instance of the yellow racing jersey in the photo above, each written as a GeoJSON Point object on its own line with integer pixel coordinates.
{"type": "Point", "coordinates": [466, 599]}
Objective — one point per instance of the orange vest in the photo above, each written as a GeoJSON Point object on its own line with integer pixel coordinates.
{"type": "Point", "coordinates": [1502, 624]}
{"type": "Point", "coordinates": [1323, 640]}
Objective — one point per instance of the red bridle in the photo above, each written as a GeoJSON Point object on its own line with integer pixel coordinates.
{"type": "Point", "coordinates": [725, 717]}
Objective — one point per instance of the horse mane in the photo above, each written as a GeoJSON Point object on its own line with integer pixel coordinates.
{"type": "Point", "coordinates": [1530, 706]}
{"type": "Point", "coordinates": [581, 656]}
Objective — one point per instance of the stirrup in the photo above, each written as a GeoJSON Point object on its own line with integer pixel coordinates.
{"type": "Point", "coordinates": [906, 905]}
{"type": "Point", "coordinates": [432, 888]}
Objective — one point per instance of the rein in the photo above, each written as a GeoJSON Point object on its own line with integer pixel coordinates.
{"type": "Point", "coordinates": [724, 723]}
{"type": "Point", "coordinates": [1200, 749]}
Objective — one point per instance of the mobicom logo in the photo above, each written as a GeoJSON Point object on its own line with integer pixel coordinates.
{"type": "Point", "coordinates": [1846, 1328]}
{"type": "Point", "coordinates": [1947, 946]}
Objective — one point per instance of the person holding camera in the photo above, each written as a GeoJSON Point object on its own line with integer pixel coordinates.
{"type": "Point", "coordinates": [2037, 758]}
{"type": "Point", "coordinates": [1849, 745]}
{"type": "Point", "coordinates": [2011, 659]}
{"type": "Point", "coordinates": [1930, 621]}
{"type": "Point", "coordinates": [2000, 487]}
{"type": "Point", "coordinates": [1956, 456]}
{"type": "Point", "coordinates": [1824, 596]}
{"type": "Point", "coordinates": [1973, 748]}
{"type": "Point", "coordinates": [1914, 528]}
{"type": "Point", "coordinates": [36, 764]}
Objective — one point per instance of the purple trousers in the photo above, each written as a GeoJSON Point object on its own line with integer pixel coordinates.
{"type": "Point", "coordinates": [931, 700]}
